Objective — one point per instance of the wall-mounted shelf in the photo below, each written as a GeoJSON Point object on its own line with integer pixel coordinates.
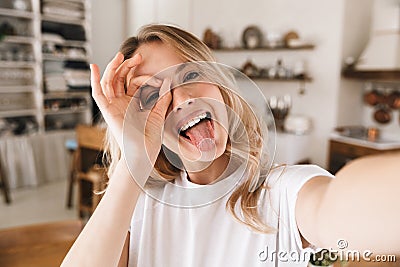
{"type": "Point", "coordinates": [387, 75]}
{"type": "Point", "coordinates": [279, 48]}
{"type": "Point", "coordinates": [264, 71]}
{"type": "Point", "coordinates": [256, 78]}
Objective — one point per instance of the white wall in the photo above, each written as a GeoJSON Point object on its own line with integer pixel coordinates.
{"type": "Point", "coordinates": [385, 16]}
{"type": "Point", "coordinates": [356, 30]}
{"type": "Point", "coordinates": [317, 21]}
{"type": "Point", "coordinates": [107, 30]}
{"type": "Point", "coordinates": [338, 28]}
{"type": "Point", "coordinates": [358, 27]}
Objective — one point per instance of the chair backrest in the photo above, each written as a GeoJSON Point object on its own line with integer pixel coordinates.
{"type": "Point", "coordinates": [90, 137]}
{"type": "Point", "coordinates": [44, 244]}
{"type": "Point", "coordinates": [90, 141]}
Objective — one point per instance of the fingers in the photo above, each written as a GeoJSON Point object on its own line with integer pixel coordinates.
{"type": "Point", "coordinates": [161, 107]}
{"type": "Point", "coordinates": [97, 91]}
{"type": "Point", "coordinates": [106, 81]}
{"type": "Point", "coordinates": [122, 72]}
{"type": "Point", "coordinates": [136, 82]}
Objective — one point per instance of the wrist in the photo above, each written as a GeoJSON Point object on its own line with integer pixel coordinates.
{"type": "Point", "coordinates": [131, 174]}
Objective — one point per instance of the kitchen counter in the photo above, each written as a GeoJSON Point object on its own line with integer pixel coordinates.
{"type": "Point", "coordinates": [380, 144]}
{"type": "Point", "coordinates": [343, 149]}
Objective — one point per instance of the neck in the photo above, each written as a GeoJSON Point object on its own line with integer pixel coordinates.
{"type": "Point", "coordinates": [209, 174]}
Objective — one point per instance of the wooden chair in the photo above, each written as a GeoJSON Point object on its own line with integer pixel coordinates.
{"type": "Point", "coordinates": [43, 245]}
{"type": "Point", "coordinates": [72, 147]}
{"type": "Point", "coordinates": [90, 173]}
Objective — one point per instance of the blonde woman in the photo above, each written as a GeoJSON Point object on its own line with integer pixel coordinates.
{"type": "Point", "coordinates": [211, 199]}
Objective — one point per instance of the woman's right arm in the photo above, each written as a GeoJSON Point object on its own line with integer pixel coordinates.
{"type": "Point", "coordinates": [102, 240]}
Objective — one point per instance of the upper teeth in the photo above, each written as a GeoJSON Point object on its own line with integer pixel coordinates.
{"type": "Point", "coordinates": [193, 121]}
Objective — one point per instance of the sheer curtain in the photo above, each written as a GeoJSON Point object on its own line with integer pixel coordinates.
{"type": "Point", "coordinates": [36, 159]}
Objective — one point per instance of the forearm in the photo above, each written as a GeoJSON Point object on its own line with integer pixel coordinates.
{"type": "Point", "coordinates": [362, 206]}
{"type": "Point", "coordinates": [102, 239]}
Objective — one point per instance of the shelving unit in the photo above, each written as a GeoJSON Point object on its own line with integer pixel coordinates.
{"type": "Point", "coordinates": [20, 68]}
{"type": "Point", "coordinates": [26, 52]}
{"type": "Point", "coordinates": [264, 78]}
{"type": "Point", "coordinates": [65, 40]}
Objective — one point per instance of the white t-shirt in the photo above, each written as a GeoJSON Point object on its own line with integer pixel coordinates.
{"type": "Point", "coordinates": [166, 235]}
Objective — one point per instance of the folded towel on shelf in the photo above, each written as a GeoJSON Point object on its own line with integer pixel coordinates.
{"type": "Point", "coordinates": [55, 82]}
{"type": "Point", "coordinates": [59, 11]}
{"type": "Point", "coordinates": [63, 8]}
{"type": "Point", "coordinates": [52, 38]}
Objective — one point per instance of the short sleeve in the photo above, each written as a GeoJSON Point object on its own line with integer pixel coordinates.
{"type": "Point", "coordinates": [285, 188]}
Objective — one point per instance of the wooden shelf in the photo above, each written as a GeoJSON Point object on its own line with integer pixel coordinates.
{"type": "Point", "coordinates": [390, 75]}
{"type": "Point", "coordinates": [306, 79]}
{"type": "Point", "coordinates": [281, 48]}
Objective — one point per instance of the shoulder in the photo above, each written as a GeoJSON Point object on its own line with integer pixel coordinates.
{"type": "Point", "coordinates": [284, 184]}
{"type": "Point", "coordinates": [294, 176]}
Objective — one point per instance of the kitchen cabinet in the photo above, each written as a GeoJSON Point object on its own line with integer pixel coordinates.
{"type": "Point", "coordinates": [343, 150]}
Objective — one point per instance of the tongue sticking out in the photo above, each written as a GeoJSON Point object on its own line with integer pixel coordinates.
{"type": "Point", "coordinates": [202, 135]}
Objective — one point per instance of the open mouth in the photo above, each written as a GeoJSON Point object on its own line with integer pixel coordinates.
{"type": "Point", "coordinates": [198, 128]}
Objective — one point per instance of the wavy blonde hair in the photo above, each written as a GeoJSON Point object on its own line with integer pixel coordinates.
{"type": "Point", "coordinates": [247, 135]}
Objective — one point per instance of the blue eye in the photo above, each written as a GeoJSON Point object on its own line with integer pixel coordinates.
{"type": "Point", "coordinates": [191, 76]}
{"type": "Point", "coordinates": [148, 96]}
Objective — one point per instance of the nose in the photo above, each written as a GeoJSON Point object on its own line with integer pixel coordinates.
{"type": "Point", "coordinates": [181, 98]}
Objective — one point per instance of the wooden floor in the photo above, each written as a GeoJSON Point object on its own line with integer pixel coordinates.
{"type": "Point", "coordinates": [40, 245]}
